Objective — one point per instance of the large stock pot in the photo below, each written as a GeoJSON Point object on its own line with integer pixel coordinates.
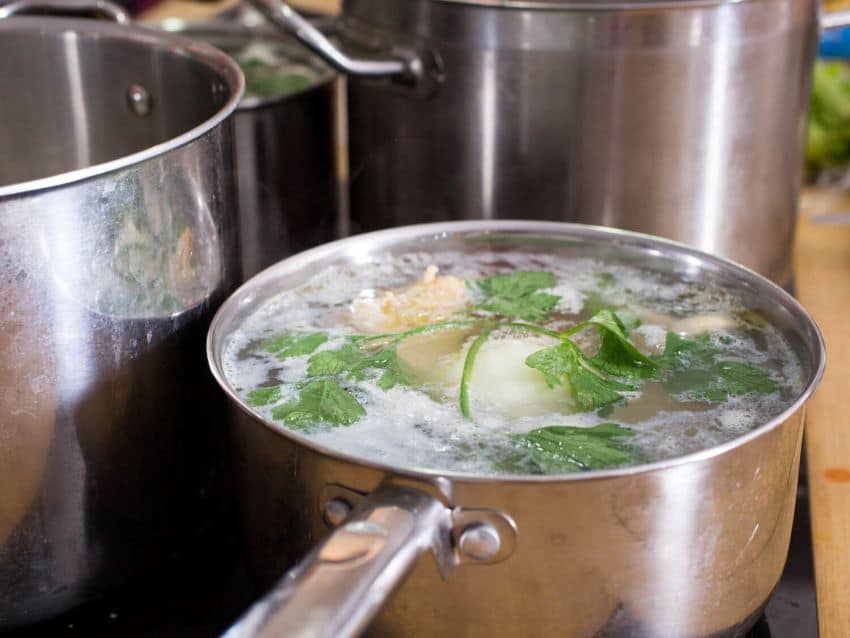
{"type": "Point", "coordinates": [687, 547]}
{"type": "Point", "coordinates": [681, 118]}
{"type": "Point", "coordinates": [118, 240]}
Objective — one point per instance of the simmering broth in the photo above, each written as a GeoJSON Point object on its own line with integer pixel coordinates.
{"type": "Point", "coordinates": [511, 363]}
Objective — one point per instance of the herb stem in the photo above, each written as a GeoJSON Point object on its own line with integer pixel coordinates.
{"type": "Point", "coordinates": [431, 327]}
{"type": "Point", "coordinates": [467, 370]}
{"type": "Point", "coordinates": [530, 327]}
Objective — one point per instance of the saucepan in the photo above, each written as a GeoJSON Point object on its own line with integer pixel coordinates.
{"type": "Point", "coordinates": [687, 547]}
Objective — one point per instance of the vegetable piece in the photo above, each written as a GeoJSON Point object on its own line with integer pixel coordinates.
{"type": "Point", "coordinates": [590, 386]}
{"type": "Point", "coordinates": [320, 401]}
{"type": "Point", "coordinates": [518, 295]}
{"type": "Point", "coordinates": [828, 142]}
{"type": "Point", "coordinates": [467, 371]}
{"type": "Point", "coordinates": [356, 358]}
{"type": "Point", "coordinates": [562, 448]}
{"type": "Point", "coordinates": [692, 370]}
{"type": "Point", "coordinates": [287, 344]}
{"type": "Point", "coordinates": [264, 396]}
{"type": "Point", "coordinates": [617, 355]}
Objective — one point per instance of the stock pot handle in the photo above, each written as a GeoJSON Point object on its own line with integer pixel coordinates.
{"type": "Point", "coordinates": [66, 8]}
{"type": "Point", "coordinates": [336, 590]}
{"type": "Point", "coordinates": [286, 19]}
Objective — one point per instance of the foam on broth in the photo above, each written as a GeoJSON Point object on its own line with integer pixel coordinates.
{"type": "Point", "coordinates": [411, 427]}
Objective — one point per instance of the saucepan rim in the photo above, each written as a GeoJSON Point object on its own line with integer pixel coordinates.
{"type": "Point", "coordinates": [386, 238]}
{"type": "Point", "coordinates": [207, 54]}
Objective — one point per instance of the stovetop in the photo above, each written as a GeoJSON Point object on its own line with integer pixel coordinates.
{"type": "Point", "coordinates": [201, 594]}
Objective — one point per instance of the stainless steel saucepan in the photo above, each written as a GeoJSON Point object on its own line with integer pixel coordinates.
{"type": "Point", "coordinates": [118, 240]}
{"type": "Point", "coordinates": [687, 547]}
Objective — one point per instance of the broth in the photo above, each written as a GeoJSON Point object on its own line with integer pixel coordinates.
{"type": "Point", "coordinates": [512, 363]}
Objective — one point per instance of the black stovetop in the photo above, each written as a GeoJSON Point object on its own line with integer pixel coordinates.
{"type": "Point", "coordinates": [201, 594]}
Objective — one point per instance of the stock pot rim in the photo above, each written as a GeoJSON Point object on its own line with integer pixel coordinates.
{"type": "Point", "coordinates": [202, 52]}
{"type": "Point", "coordinates": [386, 238]}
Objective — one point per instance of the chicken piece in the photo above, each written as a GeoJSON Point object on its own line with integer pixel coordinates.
{"type": "Point", "coordinates": [429, 300]}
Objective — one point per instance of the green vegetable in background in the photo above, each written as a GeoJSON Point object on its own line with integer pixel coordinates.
{"type": "Point", "coordinates": [265, 80]}
{"type": "Point", "coordinates": [828, 141]}
{"type": "Point", "coordinates": [559, 449]}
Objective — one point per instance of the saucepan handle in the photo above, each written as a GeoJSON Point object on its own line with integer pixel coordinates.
{"type": "Point", "coordinates": [285, 18]}
{"type": "Point", "coordinates": [337, 589]}
{"type": "Point", "coordinates": [66, 8]}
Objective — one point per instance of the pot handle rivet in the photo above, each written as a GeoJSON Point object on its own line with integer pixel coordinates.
{"type": "Point", "coordinates": [479, 541]}
{"type": "Point", "coordinates": [139, 100]}
{"type": "Point", "coordinates": [336, 511]}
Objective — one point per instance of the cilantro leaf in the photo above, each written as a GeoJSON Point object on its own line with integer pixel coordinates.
{"type": "Point", "coordinates": [518, 295]}
{"type": "Point", "coordinates": [287, 345]}
{"type": "Point", "coordinates": [693, 370]}
{"type": "Point", "coordinates": [264, 396]}
{"type": "Point", "coordinates": [590, 386]}
{"type": "Point", "coordinates": [562, 448]}
{"type": "Point", "coordinates": [321, 401]}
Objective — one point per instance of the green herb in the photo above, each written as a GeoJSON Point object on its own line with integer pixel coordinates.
{"type": "Point", "coordinates": [320, 401]}
{"type": "Point", "coordinates": [264, 396]}
{"type": "Point", "coordinates": [356, 358]}
{"type": "Point", "coordinates": [561, 448]}
{"type": "Point", "coordinates": [617, 355]}
{"type": "Point", "coordinates": [693, 370]}
{"type": "Point", "coordinates": [597, 381]}
{"type": "Point", "coordinates": [518, 295]}
{"type": "Point", "coordinates": [566, 365]}
{"type": "Point", "coordinates": [287, 344]}
{"type": "Point", "coordinates": [474, 347]}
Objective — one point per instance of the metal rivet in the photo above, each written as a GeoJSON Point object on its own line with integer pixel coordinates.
{"type": "Point", "coordinates": [139, 100]}
{"type": "Point", "coordinates": [336, 511]}
{"type": "Point", "coordinates": [479, 542]}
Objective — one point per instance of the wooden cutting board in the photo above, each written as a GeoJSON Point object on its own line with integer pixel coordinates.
{"type": "Point", "coordinates": [822, 270]}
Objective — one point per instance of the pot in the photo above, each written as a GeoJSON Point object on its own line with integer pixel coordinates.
{"type": "Point", "coordinates": [285, 141]}
{"type": "Point", "coordinates": [119, 240]}
{"type": "Point", "coordinates": [661, 116]}
{"type": "Point", "coordinates": [691, 546]}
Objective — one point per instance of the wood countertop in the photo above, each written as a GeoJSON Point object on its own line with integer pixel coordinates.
{"type": "Point", "coordinates": [822, 272]}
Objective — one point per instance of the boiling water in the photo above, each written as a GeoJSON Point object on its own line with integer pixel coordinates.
{"type": "Point", "coordinates": [422, 426]}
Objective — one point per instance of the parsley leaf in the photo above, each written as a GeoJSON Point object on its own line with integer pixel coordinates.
{"type": "Point", "coordinates": [617, 355]}
{"type": "Point", "coordinates": [293, 344]}
{"type": "Point", "coordinates": [692, 370]}
{"type": "Point", "coordinates": [562, 448]}
{"type": "Point", "coordinates": [320, 401]}
{"type": "Point", "coordinates": [356, 358]}
{"type": "Point", "coordinates": [518, 295]}
{"type": "Point", "coordinates": [590, 386]}
{"type": "Point", "coordinates": [264, 396]}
